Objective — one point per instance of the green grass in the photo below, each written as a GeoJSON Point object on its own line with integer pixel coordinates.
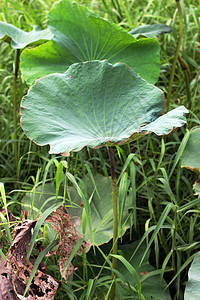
{"type": "Point", "coordinates": [152, 178]}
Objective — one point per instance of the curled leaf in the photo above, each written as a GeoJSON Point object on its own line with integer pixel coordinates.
{"type": "Point", "coordinates": [17, 273]}
{"type": "Point", "coordinates": [61, 222]}
{"type": "Point", "coordinates": [19, 39]}
{"type": "Point", "coordinates": [150, 30]}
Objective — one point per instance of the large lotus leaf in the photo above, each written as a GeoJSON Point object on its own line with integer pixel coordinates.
{"type": "Point", "coordinates": [151, 286]}
{"type": "Point", "coordinates": [81, 35]}
{"type": "Point", "coordinates": [20, 39]}
{"type": "Point", "coordinates": [101, 206]}
{"type": "Point", "coordinates": [150, 30]}
{"type": "Point", "coordinates": [192, 290]}
{"type": "Point", "coordinates": [94, 104]}
{"type": "Point", "coordinates": [190, 157]}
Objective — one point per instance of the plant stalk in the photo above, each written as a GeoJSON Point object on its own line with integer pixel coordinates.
{"type": "Point", "coordinates": [15, 111]}
{"type": "Point", "coordinates": [186, 71]}
{"type": "Point", "coordinates": [176, 53]}
{"type": "Point", "coordinates": [115, 218]}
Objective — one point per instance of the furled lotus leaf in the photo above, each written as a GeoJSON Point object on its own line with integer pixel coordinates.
{"type": "Point", "coordinates": [20, 39]}
{"type": "Point", "coordinates": [81, 35]}
{"type": "Point", "coordinates": [190, 157]}
{"type": "Point", "coordinates": [150, 30]}
{"type": "Point", "coordinates": [192, 290]}
{"type": "Point", "coordinates": [94, 104]}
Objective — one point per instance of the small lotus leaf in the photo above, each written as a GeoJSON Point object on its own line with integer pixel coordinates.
{"type": "Point", "coordinates": [192, 290]}
{"type": "Point", "coordinates": [20, 39]}
{"type": "Point", "coordinates": [81, 35]}
{"type": "Point", "coordinates": [94, 104]}
{"type": "Point", "coordinates": [150, 31]}
{"type": "Point", "coordinates": [190, 157]}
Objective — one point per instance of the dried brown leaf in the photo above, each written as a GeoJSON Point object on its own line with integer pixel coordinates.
{"type": "Point", "coordinates": [15, 273]}
{"type": "Point", "coordinates": [69, 237]}
{"type": "Point", "coordinates": [21, 241]}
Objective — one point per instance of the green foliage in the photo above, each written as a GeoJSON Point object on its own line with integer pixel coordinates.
{"type": "Point", "coordinates": [89, 94]}
{"type": "Point", "coordinates": [140, 281]}
{"type": "Point", "coordinates": [81, 35]}
{"type": "Point", "coordinates": [150, 31]}
{"type": "Point", "coordinates": [98, 190]}
{"type": "Point", "coordinates": [19, 39]}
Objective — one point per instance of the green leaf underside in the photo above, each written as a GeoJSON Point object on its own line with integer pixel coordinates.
{"type": "Point", "coordinates": [150, 30]}
{"type": "Point", "coordinates": [20, 39]}
{"type": "Point", "coordinates": [94, 104]}
{"type": "Point", "coordinates": [192, 290]}
{"type": "Point", "coordinates": [81, 35]}
{"type": "Point", "coordinates": [190, 157]}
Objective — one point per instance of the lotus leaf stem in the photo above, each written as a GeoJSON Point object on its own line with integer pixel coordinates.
{"type": "Point", "coordinates": [115, 218]}
{"type": "Point", "coordinates": [15, 111]}
{"type": "Point", "coordinates": [181, 27]}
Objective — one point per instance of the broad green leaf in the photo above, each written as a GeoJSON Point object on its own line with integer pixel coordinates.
{"type": "Point", "coordinates": [94, 104]}
{"type": "Point", "coordinates": [81, 35]}
{"type": "Point", "coordinates": [101, 209]}
{"type": "Point", "coordinates": [190, 158]}
{"type": "Point", "coordinates": [150, 31]}
{"type": "Point", "coordinates": [19, 39]}
{"type": "Point", "coordinates": [101, 206]}
{"type": "Point", "coordinates": [192, 290]}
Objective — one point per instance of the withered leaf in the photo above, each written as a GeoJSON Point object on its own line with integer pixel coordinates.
{"type": "Point", "coordinates": [69, 237]}
{"type": "Point", "coordinates": [15, 273]}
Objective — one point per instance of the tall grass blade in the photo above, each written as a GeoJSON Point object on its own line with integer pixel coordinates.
{"type": "Point", "coordinates": [85, 203]}
{"type": "Point", "coordinates": [38, 261]}
{"type": "Point", "coordinates": [38, 226]}
{"type": "Point", "coordinates": [132, 271]}
{"type": "Point", "coordinates": [180, 151]}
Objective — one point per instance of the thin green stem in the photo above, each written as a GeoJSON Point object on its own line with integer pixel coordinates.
{"type": "Point", "coordinates": [115, 218]}
{"type": "Point", "coordinates": [181, 27]}
{"type": "Point", "coordinates": [117, 8]}
{"type": "Point", "coordinates": [15, 111]}
{"type": "Point", "coordinates": [174, 242]}
{"type": "Point", "coordinates": [186, 71]}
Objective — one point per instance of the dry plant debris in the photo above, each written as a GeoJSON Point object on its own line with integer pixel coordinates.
{"type": "Point", "coordinates": [15, 272]}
